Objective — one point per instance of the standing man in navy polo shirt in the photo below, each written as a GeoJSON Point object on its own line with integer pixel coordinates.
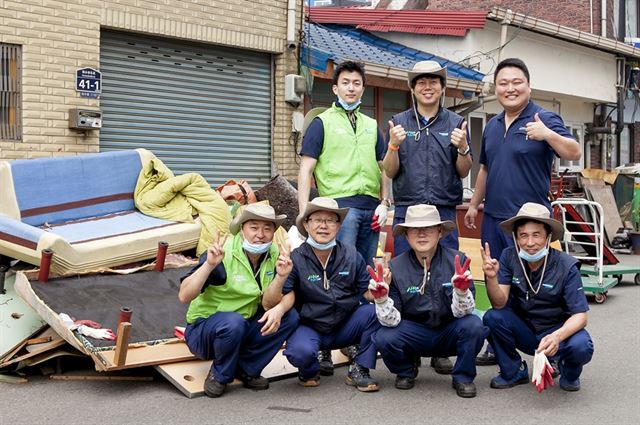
{"type": "Point", "coordinates": [538, 301]}
{"type": "Point", "coordinates": [428, 153]}
{"type": "Point", "coordinates": [518, 147]}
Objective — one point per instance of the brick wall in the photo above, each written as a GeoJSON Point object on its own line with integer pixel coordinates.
{"type": "Point", "coordinates": [57, 37]}
{"type": "Point", "coordinates": [572, 13]}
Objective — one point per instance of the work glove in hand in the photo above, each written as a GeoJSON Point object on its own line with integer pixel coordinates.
{"type": "Point", "coordinates": [378, 288]}
{"type": "Point", "coordinates": [462, 279]}
{"type": "Point", "coordinates": [379, 217]}
{"type": "Point", "coordinates": [542, 376]}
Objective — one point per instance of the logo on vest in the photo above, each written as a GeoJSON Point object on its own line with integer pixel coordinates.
{"type": "Point", "coordinates": [515, 280]}
{"type": "Point", "coordinates": [412, 290]}
{"type": "Point", "coordinates": [412, 134]}
{"type": "Point", "coordinates": [344, 273]}
{"type": "Point", "coordinates": [443, 134]}
{"type": "Point", "coordinates": [314, 278]}
{"type": "Point", "coordinates": [269, 273]}
{"type": "Point", "coordinates": [340, 130]}
{"type": "Point", "coordinates": [547, 285]}
{"type": "Point", "coordinates": [239, 278]}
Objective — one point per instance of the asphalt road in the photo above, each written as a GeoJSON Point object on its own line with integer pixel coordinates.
{"type": "Point", "coordinates": [609, 395]}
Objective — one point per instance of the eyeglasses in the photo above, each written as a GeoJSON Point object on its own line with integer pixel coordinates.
{"type": "Point", "coordinates": [326, 221]}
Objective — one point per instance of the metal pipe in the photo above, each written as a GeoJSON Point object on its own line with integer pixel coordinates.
{"type": "Point", "coordinates": [503, 32]}
{"type": "Point", "coordinates": [591, 15]}
{"type": "Point", "coordinates": [291, 25]}
{"type": "Point", "coordinates": [125, 315]}
{"type": "Point", "coordinates": [603, 18]}
{"type": "Point", "coordinates": [161, 255]}
{"type": "Point", "coordinates": [45, 265]}
{"type": "Point", "coordinates": [3, 270]}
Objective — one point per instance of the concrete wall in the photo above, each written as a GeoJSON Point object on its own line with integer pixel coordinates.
{"type": "Point", "coordinates": [57, 37]}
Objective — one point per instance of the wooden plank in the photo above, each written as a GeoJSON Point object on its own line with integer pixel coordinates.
{"type": "Point", "coordinates": [46, 347]}
{"type": "Point", "coordinates": [471, 248]}
{"type": "Point", "coordinates": [612, 221]}
{"type": "Point", "coordinates": [122, 343]}
{"type": "Point", "coordinates": [38, 340]}
{"type": "Point", "coordinates": [12, 379]}
{"type": "Point", "coordinates": [146, 355]}
{"type": "Point", "coordinates": [189, 376]}
{"type": "Point", "coordinates": [99, 378]}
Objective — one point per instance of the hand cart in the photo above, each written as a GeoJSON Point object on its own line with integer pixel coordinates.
{"type": "Point", "coordinates": [586, 232]}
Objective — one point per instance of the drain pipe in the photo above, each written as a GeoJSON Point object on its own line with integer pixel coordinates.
{"type": "Point", "coordinates": [291, 25]}
{"type": "Point", "coordinates": [603, 18]}
{"type": "Point", "coordinates": [504, 25]}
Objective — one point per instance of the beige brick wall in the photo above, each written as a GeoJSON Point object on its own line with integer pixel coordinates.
{"type": "Point", "coordinates": [57, 37]}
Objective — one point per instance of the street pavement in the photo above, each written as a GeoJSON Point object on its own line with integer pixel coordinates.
{"type": "Point", "coordinates": [609, 395]}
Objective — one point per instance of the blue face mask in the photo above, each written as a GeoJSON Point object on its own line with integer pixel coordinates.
{"type": "Point", "coordinates": [255, 248]}
{"type": "Point", "coordinates": [348, 107]}
{"type": "Point", "coordinates": [532, 258]}
{"type": "Point", "coordinates": [321, 246]}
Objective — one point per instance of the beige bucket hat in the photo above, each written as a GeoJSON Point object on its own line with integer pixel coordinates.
{"type": "Point", "coordinates": [427, 68]}
{"type": "Point", "coordinates": [319, 204]}
{"type": "Point", "coordinates": [535, 212]}
{"type": "Point", "coordinates": [310, 116]}
{"type": "Point", "coordinates": [261, 212]}
{"type": "Point", "coordinates": [423, 216]}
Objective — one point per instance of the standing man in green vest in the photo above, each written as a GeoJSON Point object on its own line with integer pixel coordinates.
{"type": "Point", "coordinates": [343, 149]}
{"type": "Point", "coordinates": [226, 319]}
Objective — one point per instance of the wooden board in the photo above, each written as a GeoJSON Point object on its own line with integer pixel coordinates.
{"type": "Point", "coordinates": [35, 349]}
{"type": "Point", "coordinates": [612, 221]}
{"type": "Point", "coordinates": [471, 248]}
{"type": "Point", "coordinates": [147, 355]}
{"type": "Point", "coordinates": [15, 330]}
{"type": "Point", "coordinates": [189, 376]}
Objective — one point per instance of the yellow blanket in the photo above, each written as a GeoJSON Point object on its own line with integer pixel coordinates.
{"type": "Point", "coordinates": [160, 194]}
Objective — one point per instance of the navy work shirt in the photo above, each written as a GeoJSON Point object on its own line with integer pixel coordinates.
{"type": "Point", "coordinates": [321, 309]}
{"type": "Point", "coordinates": [312, 147]}
{"type": "Point", "coordinates": [560, 296]}
{"type": "Point", "coordinates": [433, 308]}
{"type": "Point", "coordinates": [518, 169]}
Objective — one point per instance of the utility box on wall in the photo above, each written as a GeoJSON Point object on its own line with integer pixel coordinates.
{"type": "Point", "coordinates": [85, 119]}
{"type": "Point", "coordinates": [294, 88]}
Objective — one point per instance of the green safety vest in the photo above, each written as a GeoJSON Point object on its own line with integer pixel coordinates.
{"type": "Point", "coordinates": [241, 292]}
{"type": "Point", "coordinates": [347, 165]}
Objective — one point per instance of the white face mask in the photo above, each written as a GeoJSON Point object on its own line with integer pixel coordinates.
{"type": "Point", "coordinates": [255, 248]}
{"type": "Point", "coordinates": [348, 107]}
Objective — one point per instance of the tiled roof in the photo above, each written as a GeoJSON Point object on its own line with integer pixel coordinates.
{"type": "Point", "coordinates": [340, 43]}
{"type": "Point", "coordinates": [411, 21]}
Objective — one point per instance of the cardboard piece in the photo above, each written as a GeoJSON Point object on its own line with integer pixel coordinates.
{"type": "Point", "coordinates": [189, 376]}
{"type": "Point", "coordinates": [611, 216]}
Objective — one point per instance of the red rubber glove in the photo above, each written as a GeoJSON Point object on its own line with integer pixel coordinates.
{"type": "Point", "coordinates": [378, 288]}
{"type": "Point", "coordinates": [461, 280]}
{"type": "Point", "coordinates": [375, 225]}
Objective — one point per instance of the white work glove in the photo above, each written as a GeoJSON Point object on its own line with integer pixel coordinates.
{"type": "Point", "coordinates": [379, 217]}
{"type": "Point", "coordinates": [97, 333]}
{"type": "Point", "coordinates": [379, 291]}
{"type": "Point", "coordinates": [542, 376]}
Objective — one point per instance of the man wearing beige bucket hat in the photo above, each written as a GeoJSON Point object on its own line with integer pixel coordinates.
{"type": "Point", "coordinates": [429, 306]}
{"type": "Point", "coordinates": [328, 280]}
{"type": "Point", "coordinates": [428, 151]}
{"type": "Point", "coordinates": [227, 318]}
{"type": "Point", "coordinates": [539, 305]}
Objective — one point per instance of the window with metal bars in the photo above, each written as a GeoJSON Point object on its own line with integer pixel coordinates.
{"type": "Point", "coordinates": [10, 92]}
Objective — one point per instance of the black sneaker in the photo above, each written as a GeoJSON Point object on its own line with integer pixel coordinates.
{"type": "Point", "coordinates": [359, 377]}
{"type": "Point", "coordinates": [405, 382]}
{"type": "Point", "coordinates": [464, 389]}
{"type": "Point", "coordinates": [326, 363]}
{"type": "Point", "coordinates": [351, 352]}
{"type": "Point", "coordinates": [442, 365]}
{"type": "Point", "coordinates": [521, 377]}
{"type": "Point", "coordinates": [253, 382]}
{"type": "Point", "coordinates": [213, 388]}
{"type": "Point", "coordinates": [488, 358]}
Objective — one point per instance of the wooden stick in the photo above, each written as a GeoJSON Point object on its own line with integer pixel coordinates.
{"type": "Point", "coordinates": [122, 343]}
{"type": "Point", "coordinates": [99, 378]}
{"type": "Point", "coordinates": [39, 340]}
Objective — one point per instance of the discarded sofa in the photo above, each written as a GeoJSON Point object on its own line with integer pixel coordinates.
{"type": "Point", "coordinates": [82, 208]}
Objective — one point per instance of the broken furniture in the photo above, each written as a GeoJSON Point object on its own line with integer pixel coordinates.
{"type": "Point", "coordinates": [82, 208]}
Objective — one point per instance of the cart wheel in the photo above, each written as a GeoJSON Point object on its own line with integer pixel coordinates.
{"type": "Point", "coordinates": [637, 279]}
{"type": "Point", "coordinates": [601, 297]}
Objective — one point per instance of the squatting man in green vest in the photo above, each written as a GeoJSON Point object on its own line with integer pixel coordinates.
{"type": "Point", "coordinates": [226, 320]}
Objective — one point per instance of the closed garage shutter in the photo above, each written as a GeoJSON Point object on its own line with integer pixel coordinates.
{"type": "Point", "coordinates": [199, 108]}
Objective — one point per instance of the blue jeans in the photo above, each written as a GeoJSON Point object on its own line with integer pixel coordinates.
{"type": "Point", "coordinates": [236, 342]}
{"type": "Point", "coordinates": [355, 230]}
{"type": "Point", "coordinates": [304, 343]}
{"type": "Point", "coordinates": [400, 243]}
{"type": "Point", "coordinates": [461, 337]}
{"type": "Point", "coordinates": [508, 333]}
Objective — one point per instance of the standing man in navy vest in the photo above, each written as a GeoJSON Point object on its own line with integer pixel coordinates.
{"type": "Point", "coordinates": [428, 155]}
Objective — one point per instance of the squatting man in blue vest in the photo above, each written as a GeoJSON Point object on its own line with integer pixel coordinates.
{"type": "Point", "coordinates": [428, 155]}
{"type": "Point", "coordinates": [328, 280]}
{"type": "Point", "coordinates": [538, 301]}
{"type": "Point", "coordinates": [227, 319]}
{"type": "Point", "coordinates": [429, 305]}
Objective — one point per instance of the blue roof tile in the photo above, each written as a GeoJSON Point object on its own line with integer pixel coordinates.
{"type": "Point", "coordinates": [340, 43]}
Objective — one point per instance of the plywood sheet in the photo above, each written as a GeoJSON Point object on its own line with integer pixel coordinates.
{"type": "Point", "coordinates": [612, 221]}
{"type": "Point", "coordinates": [35, 349]}
{"type": "Point", "coordinates": [189, 376]}
{"type": "Point", "coordinates": [18, 321]}
{"type": "Point", "coordinates": [471, 248]}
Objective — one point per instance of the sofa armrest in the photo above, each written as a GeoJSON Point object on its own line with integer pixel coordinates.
{"type": "Point", "coordinates": [19, 233]}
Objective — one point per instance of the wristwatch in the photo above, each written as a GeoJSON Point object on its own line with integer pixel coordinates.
{"type": "Point", "coordinates": [466, 151]}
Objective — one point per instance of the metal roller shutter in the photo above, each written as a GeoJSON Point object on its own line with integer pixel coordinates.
{"type": "Point", "coordinates": [199, 108]}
